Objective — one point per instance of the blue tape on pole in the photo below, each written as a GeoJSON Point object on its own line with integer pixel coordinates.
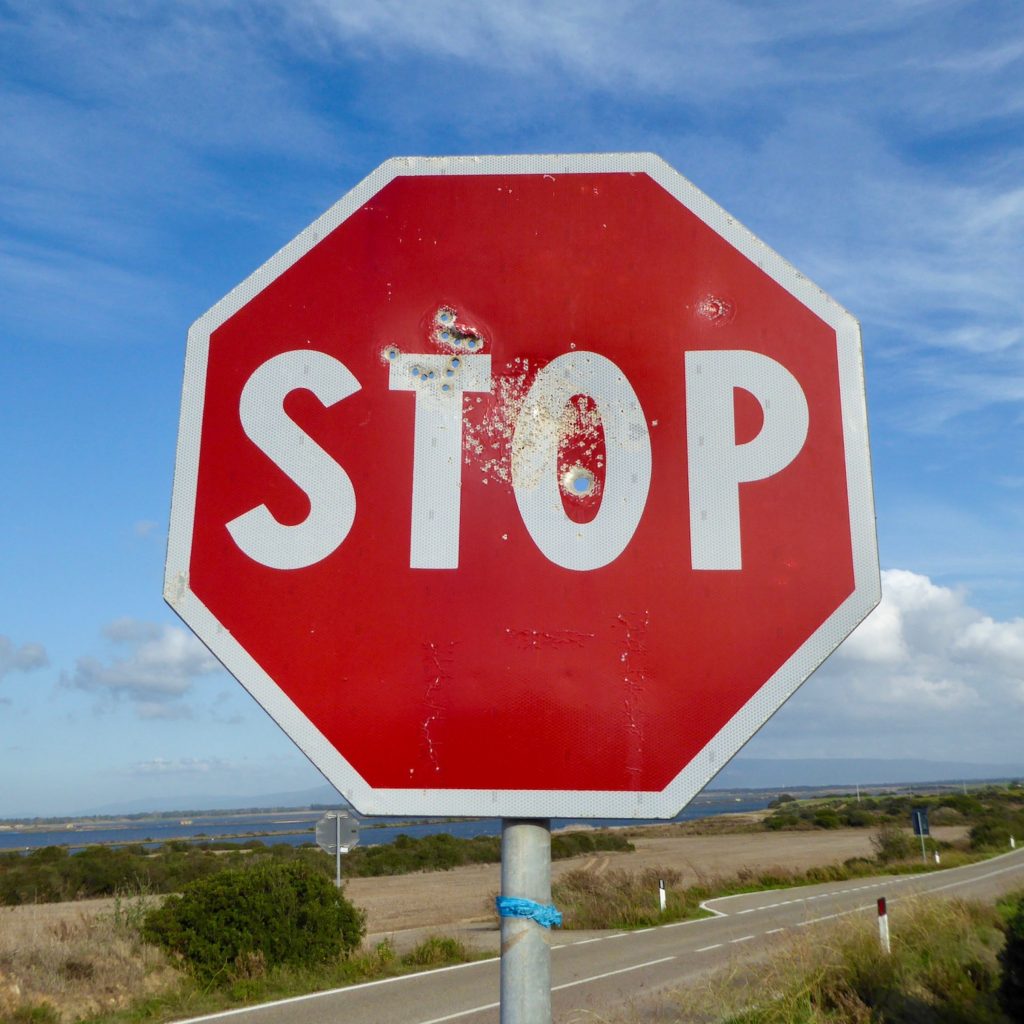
{"type": "Point", "coordinates": [513, 906]}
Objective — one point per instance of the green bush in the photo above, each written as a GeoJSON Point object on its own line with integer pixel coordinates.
{"type": "Point", "coordinates": [855, 818]}
{"type": "Point", "coordinates": [442, 852]}
{"type": "Point", "coordinates": [993, 831]}
{"type": "Point", "coordinates": [238, 922]}
{"type": "Point", "coordinates": [826, 818]}
{"type": "Point", "coordinates": [1011, 959]}
{"type": "Point", "coordinates": [436, 951]}
{"type": "Point", "coordinates": [891, 843]}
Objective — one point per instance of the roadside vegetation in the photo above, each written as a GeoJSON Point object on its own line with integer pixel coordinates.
{"type": "Point", "coordinates": [52, 874]}
{"type": "Point", "coordinates": [992, 814]}
{"type": "Point", "coordinates": [100, 968]}
{"type": "Point", "coordinates": [227, 937]}
{"type": "Point", "coordinates": [621, 899]}
{"type": "Point", "coordinates": [947, 966]}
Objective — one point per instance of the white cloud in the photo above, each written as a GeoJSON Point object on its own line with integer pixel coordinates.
{"type": "Point", "coordinates": [20, 659]}
{"type": "Point", "coordinates": [925, 675]}
{"type": "Point", "coordinates": [180, 766]}
{"type": "Point", "coordinates": [605, 43]}
{"type": "Point", "coordinates": [158, 669]}
{"type": "Point", "coordinates": [144, 528]}
{"type": "Point", "coordinates": [998, 643]}
{"type": "Point", "coordinates": [925, 642]}
{"type": "Point", "coordinates": [816, 126]}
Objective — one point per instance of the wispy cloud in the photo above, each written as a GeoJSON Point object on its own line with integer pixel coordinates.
{"type": "Point", "coordinates": [849, 138]}
{"type": "Point", "coordinates": [20, 658]}
{"type": "Point", "coordinates": [180, 766]}
{"type": "Point", "coordinates": [156, 672]}
{"type": "Point", "coordinates": [143, 528]}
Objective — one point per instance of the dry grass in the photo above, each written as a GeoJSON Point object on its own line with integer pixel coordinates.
{"type": "Point", "coordinates": [942, 968]}
{"type": "Point", "coordinates": [78, 964]}
{"type": "Point", "coordinates": [621, 899]}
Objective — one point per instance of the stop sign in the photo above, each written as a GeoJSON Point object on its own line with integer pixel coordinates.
{"type": "Point", "coordinates": [523, 486]}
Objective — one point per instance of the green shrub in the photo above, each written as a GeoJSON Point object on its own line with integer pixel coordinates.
{"type": "Point", "coordinates": [856, 818]}
{"type": "Point", "coordinates": [238, 922]}
{"type": "Point", "coordinates": [436, 951]}
{"type": "Point", "coordinates": [1011, 959]}
{"type": "Point", "coordinates": [442, 852]}
{"type": "Point", "coordinates": [993, 831]}
{"type": "Point", "coordinates": [892, 843]}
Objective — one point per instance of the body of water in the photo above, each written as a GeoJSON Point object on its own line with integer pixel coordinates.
{"type": "Point", "coordinates": [296, 827]}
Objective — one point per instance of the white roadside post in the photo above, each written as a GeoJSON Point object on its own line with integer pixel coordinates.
{"type": "Point", "coordinates": [662, 899]}
{"type": "Point", "coordinates": [883, 926]}
{"type": "Point", "coordinates": [337, 852]}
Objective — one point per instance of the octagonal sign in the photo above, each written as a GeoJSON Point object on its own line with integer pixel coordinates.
{"type": "Point", "coordinates": [523, 486]}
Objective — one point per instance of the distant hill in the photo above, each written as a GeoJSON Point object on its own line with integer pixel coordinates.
{"type": "Point", "coordinates": [782, 773]}
{"type": "Point", "coordinates": [325, 795]}
{"type": "Point", "coordinates": [742, 773]}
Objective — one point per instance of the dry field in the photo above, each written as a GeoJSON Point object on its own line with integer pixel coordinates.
{"type": "Point", "coordinates": [79, 959]}
{"type": "Point", "coordinates": [85, 957]}
{"type": "Point", "coordinates": [465, 895]}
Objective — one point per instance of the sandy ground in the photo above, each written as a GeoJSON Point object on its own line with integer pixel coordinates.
{"type": "Point", "coordinates": [461, 901]}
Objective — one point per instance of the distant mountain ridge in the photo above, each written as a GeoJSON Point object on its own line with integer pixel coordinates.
{"type": "Point", "coordinates": [779, 773]}
{"type": "Point", "coordinates": [742, 773]}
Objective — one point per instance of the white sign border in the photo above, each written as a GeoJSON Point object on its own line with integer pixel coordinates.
{"type": "Point", "coordinates": [531, 803]}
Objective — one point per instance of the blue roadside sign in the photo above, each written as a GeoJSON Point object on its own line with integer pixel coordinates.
{"type": "Point", "coordinates": [919, 819]}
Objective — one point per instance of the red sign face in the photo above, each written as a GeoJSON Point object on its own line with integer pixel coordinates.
{"type": "Point", "coordinates": [523, 486]}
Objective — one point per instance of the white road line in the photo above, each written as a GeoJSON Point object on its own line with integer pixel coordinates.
{"type": "Point", "coordinates": [598, 977]}
{"type": "Point", "coordinates": [461, 1013]}
{"type": "Point", "coordinates": [831, 917]}
{"type": "Point", "coordinates": [711, 910]}
{"type": "Point", "coordinates": [333, 992]}
{"type": "Point", "coordinates": [704, 949]}
{"type": "Point", "coordinates": [745, 938]}
{"type": "Point", "coordinates": [977, 878]}
{"type": "Point", "coordinates": [774, 931]}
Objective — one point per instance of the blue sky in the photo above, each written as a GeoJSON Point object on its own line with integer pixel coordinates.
{"type": "Point", "coordinates": [153, 154]}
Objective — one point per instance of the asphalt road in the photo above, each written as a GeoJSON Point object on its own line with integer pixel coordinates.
{"type": "Point", "coordinates": [595, 971]}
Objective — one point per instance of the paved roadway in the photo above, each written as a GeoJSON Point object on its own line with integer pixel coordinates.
{"type": "Point", "coordinates": [594, 971]}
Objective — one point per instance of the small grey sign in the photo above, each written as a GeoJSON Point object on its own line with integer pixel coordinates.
{"type": "Point", "coordinates": [336, 832]}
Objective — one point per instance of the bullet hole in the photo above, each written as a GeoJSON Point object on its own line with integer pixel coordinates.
{"type": "Point", "coordinates": [455, 335]}
{"type": "Point", "coordinates": [579, 482]}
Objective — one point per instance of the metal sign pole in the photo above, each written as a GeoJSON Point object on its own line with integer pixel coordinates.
{"type": "Point", "coordinates": [337, 852]}
{"type": "Point", "coordinates": [525, 953]}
